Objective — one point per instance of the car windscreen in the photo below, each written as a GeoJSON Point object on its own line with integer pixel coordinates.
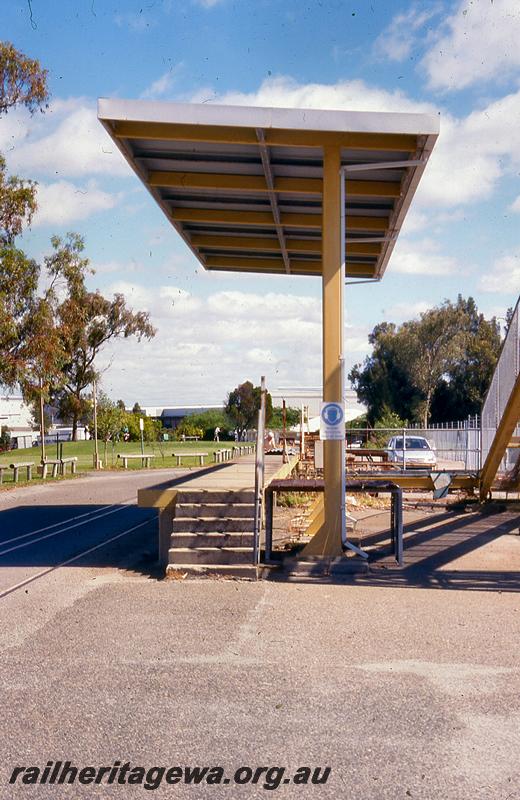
{"type": "Point", "coordinates": [412, 443]}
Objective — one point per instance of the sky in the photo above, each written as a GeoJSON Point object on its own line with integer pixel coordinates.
{"type": "Point", "coordinates": [460, 60]}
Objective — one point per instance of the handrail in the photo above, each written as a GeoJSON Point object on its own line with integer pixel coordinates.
{"type": "Point", "coordinates": [259, 473]}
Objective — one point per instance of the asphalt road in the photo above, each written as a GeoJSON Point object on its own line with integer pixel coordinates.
{"type": "Point", "coordinates": [91, 521]}
{"type": "Point", "coordinates": [404, 692]}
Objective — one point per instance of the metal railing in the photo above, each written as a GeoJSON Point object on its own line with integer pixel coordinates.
{"type": "Point", "coordinates": [505, 375]}
{"type": "Point", "coordinates": [259, 474]}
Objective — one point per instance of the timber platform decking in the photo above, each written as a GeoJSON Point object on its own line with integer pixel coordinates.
{"type": "Point", "coordinates": [235, 475]}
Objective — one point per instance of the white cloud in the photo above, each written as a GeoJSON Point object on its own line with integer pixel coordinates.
{"type": "Point", "coordinates": [164, 84]}
{"type": "Point", "coordinates": [356, 95]}
{"type": "Point", "coordinates": [515, 205]}
{"type": "Point", "coordinates": [473, 153]}
{"type": "Point", "coordinates": [62, 202]}
{"type": "Point", "coordinates": [208, 3]}
{"type": "Point", "coordinates": [273, 305]}
{"type": "Point", "coordinates": [470, 156]}
{"type": "Point", "coordinates": [398, 40]}
{"type": "Point", "coordinates": [398, 312]}
{"type": "Point", "coordinates": [503, 277]}
{"type": "Point", "coordinates": [67, 141]}
{"type": "Point", "coordinates": [113, 266]}
{"type": "Point", "coordinates": [198, 340]}
{"type": "Point", "coordinates": [478, 43]}
{"type": "Point", "coordinates": [422, 258]}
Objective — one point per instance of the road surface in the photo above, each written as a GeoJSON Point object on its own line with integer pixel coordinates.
{"type": "Point", "coordinates": [404, 692]}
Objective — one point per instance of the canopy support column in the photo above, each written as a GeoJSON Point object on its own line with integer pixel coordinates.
{"type": "Point", "coordinates": [328, 540]}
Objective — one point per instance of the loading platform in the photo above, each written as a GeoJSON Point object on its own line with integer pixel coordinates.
{"type": "Point", "coordinates": [206, 520]}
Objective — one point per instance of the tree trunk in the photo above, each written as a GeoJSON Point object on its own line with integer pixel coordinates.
{"type": "Point", "coordinates": [74, 427]}
{"type": "Point", "coordinates": [427, 408]}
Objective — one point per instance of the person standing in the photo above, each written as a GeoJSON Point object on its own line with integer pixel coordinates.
{"type": "Point", "coordinates": [216, 435]}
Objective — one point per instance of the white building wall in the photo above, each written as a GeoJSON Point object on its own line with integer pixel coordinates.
{"type": "Point", "coordinates": [311, 397]}
{"type": "Point", "coordinates": [14, 413]}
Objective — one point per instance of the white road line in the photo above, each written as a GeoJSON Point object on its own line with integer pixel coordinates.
{"type": "Point", "coordinates": [74, 558]}
{"type": "Point", "coordinates": [62, 530]}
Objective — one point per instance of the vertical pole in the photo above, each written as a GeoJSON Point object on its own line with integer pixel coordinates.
{"type": "Point", "coordinates": [259, 473]}
{"type": "Point", "coordinates": [42, 422]}
{"type": "Point", "coordinates": [343, 259]}
{"type": "Point", "coordinates": [332, 294]}
{"type": "Point", "coordinates": [96, 452]}
{"type": "Point", "coordinates": [302, 433]}
{"type": "Point", "coordinates": [285, 457]}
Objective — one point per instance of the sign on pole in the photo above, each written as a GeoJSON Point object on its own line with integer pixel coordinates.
{"type": "Point", "coordinates": [141, 424]}
{"type": "Point", "coordinates": [332, 421]}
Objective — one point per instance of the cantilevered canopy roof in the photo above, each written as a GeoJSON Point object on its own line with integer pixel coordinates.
{"type": "Point", "coordinates": [243, 186]}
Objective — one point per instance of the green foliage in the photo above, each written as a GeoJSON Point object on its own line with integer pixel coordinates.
{"type": "Point", "coordinates": [292, 417]}
{"type": "Point", "coordinates": [383, 379]}
{"type": "Point", "coordinates": [17, 204]}
{"type": "Point", "coordinates": [86, 321]}
{"type": "Point", "coordinates": [437, 368]}
{"type": "Point", "coordinates": [49, 338]}
{"type": "Point", "coordinates": [204, 423]}
{"type": "Point", "coordinates": [243, 404]}
{"type": "Point", "coordinates": [461, 391]}
{"type": "Point", "coordinates": [294, 499]}
{"type": "Point", "coordinates": [152, 427]}
{"type": "Point", "coordinates": [5, 439]}
{"type": "Point", "coordinates": [22, 80]}
{"type": "Point", "coordinates": [388, 421]}
{"type": "Point", "coordinates": [187, 428]}
{"type": "Point", "coordinates": [110, 421]}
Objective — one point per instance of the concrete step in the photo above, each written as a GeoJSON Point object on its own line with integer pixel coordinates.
{"type": "Point", "coordinates": [212, 525]}
{"type": "Point", "coordinates": [233, 571]}
{"type": "Point", "coordinates": [205, 509]}
{"type": "Point", "coordinates": [317, 566]}
{"type": "Point", "coordinates": [216, 496]}
{"type": "Point", "coordinates": [211, 555]}
{"type": "Point", "coordinates": [211, 540]}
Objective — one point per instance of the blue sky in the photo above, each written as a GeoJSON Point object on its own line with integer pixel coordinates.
{"type": "Point", "coordinates": [458, 59]}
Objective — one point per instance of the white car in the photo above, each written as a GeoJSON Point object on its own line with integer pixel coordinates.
{"type": "Point", "coordinates": [417, 452]}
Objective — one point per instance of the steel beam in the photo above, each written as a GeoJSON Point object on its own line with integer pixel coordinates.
{"type": "Point", "coordinates": [265, 219]}
{"type": "Point", "coordinates": [505, 430]}
{"type": "Point", "coordinates": [263, 243]}
{"type": "Point", "coordinates": [276, 266]}
{"type": "Point", "coordinates": [257, 184]}
{"type": "Point", "coordinates": [268, 174]}
{"type": "Point", "coordinates": [224, 134]}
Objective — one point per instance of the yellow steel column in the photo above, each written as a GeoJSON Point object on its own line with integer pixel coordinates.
{"type": "Point", "coordinates": [328, 539]}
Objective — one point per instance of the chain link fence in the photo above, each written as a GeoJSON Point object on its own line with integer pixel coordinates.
{"type": "Point", "coordinates": [500, 390]}
{"type": "Point", "coordinates": [456, 445]}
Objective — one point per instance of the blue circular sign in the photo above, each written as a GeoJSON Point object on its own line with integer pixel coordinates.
{"type": "Point", "coordinates": [332, 414]}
